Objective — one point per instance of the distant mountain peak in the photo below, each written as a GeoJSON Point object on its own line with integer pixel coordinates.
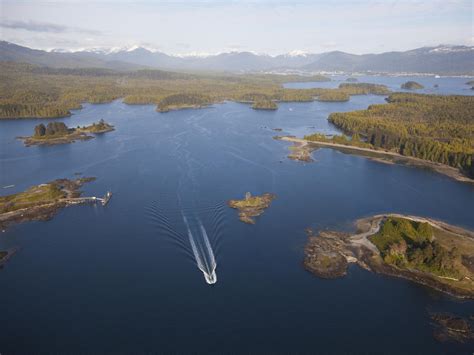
{"type": "Point", "coordinates": [442, 59]}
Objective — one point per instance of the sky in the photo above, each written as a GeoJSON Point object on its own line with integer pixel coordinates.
{"type": "Point", "coordinates": [261, 26]}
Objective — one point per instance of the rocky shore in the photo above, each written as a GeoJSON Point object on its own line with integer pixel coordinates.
{"type": "Point", "coordinates": [449, 327]}
{"type": "Point", "coordinates": [300, 150]}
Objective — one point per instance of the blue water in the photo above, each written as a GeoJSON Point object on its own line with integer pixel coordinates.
{"type": "Point", "coordinates": [110, 279]}
{"type": "Point", "coordinates": [446, 85]}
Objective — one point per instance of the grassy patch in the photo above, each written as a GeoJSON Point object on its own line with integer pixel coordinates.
{"type": "Point", "coordinates": [36, 195]}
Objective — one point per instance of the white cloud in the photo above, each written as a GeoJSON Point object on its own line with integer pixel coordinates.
{"type": "Point", "coordinates": [259, 25]}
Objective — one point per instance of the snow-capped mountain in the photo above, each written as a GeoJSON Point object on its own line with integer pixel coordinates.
{"type": "Point", "coordinates": [443, 59]}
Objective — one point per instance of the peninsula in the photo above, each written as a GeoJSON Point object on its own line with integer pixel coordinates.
{"type": "Point", "coordinates": [251, 206]}
{"type": "Point", "coordinates": [422, 250]}
{"type": "Point", "coordinates": [433, 131]}
{"type": "Point", "coordinates": [58, 133]}
{"type": "Point", "coordinates": [302, 149]}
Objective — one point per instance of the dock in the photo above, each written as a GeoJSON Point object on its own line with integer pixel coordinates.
{"type": "Point", "coordinates": [78, 200]}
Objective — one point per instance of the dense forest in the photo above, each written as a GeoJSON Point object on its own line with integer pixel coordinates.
{"type": "Point", "coordinates": [28, 91]}
{"type": "Point", "coordinates": [430, 127]}
{"type": "Point", "coordinates": [409, 244]}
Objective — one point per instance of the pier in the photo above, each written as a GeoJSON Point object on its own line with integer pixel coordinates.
{"type": "Point", "coordinates": [78, 200]}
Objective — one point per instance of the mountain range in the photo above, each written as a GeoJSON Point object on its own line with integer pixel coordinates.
{"type": "Point", "coordinates": [443, 59]}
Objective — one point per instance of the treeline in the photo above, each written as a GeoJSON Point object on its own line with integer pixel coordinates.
{"type": "Point", "coordinates": [33, 111]}
{"type": "Point", "coordinates": [429, 127]}
{"type": "Point", "coordinates": [355, 140]}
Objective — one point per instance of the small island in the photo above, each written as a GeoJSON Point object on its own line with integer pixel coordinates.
{"type": "Point", "coordinates": [265, 105]}
{"type": "Point", "coordinates": [422, 250]}
{"type": "Point", "coordinates": [352, 80]}
{"type": "Point", "coordinates": [42, 202]}
{"type": "Point", "coordinates": [58, 133]}
{"type": "Point", "coordinates": [470, 83]}
{"type": "Point", "coordinates": [251, 206]}
{"type": "Point", "coordinates": [412, 85]}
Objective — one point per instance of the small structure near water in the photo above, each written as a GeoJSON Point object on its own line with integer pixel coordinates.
{"type": "Point", "coordinates": [251, 206]}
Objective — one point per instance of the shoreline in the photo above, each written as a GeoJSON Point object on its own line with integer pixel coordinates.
{"type": "Point", "coordinates": [382, 156]}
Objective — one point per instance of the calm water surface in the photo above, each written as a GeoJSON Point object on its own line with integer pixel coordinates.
{"type": "Point", "coordinates": [445, 85]}
{"type": "Point", "coordinates": [111, 279]}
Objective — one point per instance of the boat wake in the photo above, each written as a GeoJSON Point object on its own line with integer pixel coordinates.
{"type": "Point", "coordinates": [202, 250]}
{"type": "Point", "coordinates": [197, 244]}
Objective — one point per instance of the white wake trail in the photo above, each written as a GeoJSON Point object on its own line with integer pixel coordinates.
{"type": "Point", "coordinates": [203, 253]}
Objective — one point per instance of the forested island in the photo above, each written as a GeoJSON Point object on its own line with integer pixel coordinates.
{"type": "Point", "coordinates": [435, 128]}
{"type": "Point", "coordinates": [29, 91]}
{"type": "Point", "coordinates": [58, 133]}
{"type": "Point", "coordinates": [425, 251]}
{"type": "Point", "coordinates": [412, 85]}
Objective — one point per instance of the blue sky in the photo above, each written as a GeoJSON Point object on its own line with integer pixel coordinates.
{"type": "Point", "coordinates": [272, 27]}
